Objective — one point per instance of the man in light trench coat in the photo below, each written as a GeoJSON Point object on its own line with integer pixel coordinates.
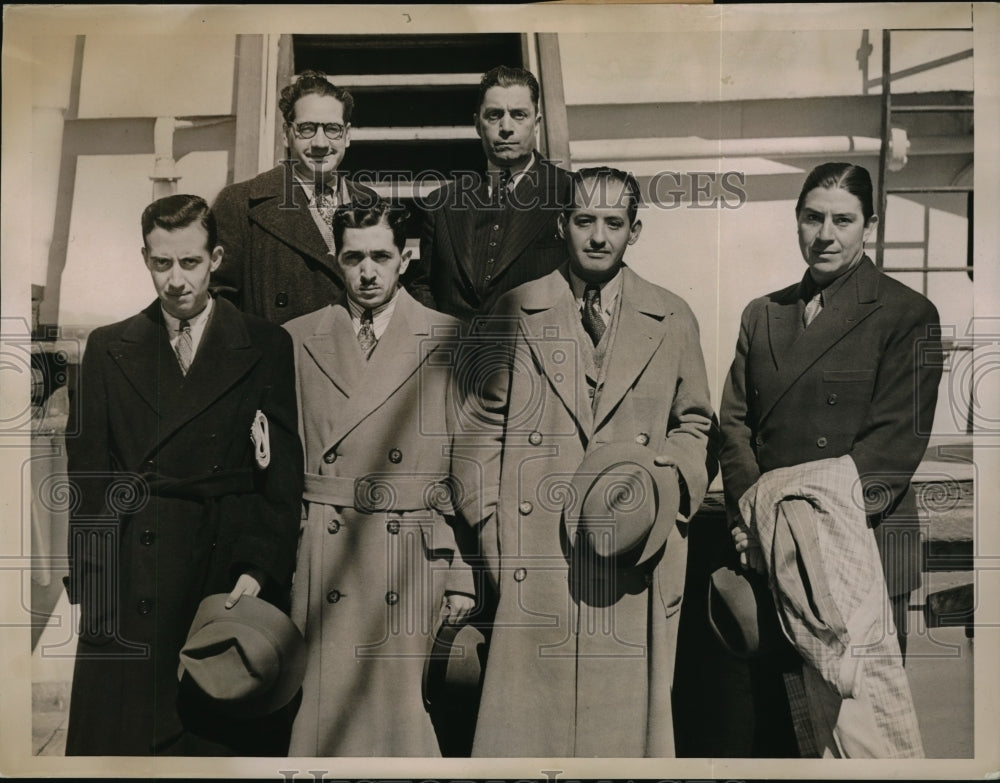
{"type": "Point", "coordinates": [378, 564]}
{"type": "Point", "coordinates": [582, 651]}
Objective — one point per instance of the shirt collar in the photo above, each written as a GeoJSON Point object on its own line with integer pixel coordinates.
{"type": "Point", "coordinates": [609, 288]}
{"type": "Point", "coordinates": [515, 177]}
{"type": "Point", "coordinates": [174, 324]}
{"type": "Point", "coordinates": [386, 308]}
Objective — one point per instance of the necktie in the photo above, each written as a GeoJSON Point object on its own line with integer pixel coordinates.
{"type": "Point", "coordinates": [502, 187]}
{"type": "Point", "coordinates": [813, 308]}
{"type": "Point", "coordinates": [326, 201]}
{"type": "Point", "coordinates": [593, 323]}
{"type": "Point", "coordinates": [184, 347]}
{"type": "Point", "coordinates": [366, 335]}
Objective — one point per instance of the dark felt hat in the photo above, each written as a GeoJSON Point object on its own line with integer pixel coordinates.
{"type": "Point", "coordinates": [453, 671]}
{"type": "Point", "coordinates": [249, 659]}
{"type": "Point", "coordinates": [619, 496]}
{"type": "Point", "coordinates": [741, 612]}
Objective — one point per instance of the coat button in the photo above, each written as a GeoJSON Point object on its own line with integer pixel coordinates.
{"type": "Point", "coordinates": [392, 526]}
{"type": "Point", "coordinates": [146, 538]}
{"type": "Point", "coordinates": [395, 456]}
{"type": "Point", "coordinates": [333, 596]}
{"type": "Point", "coordinates": [525, 507]}
{"type": "Point", "coordinates": [392, 598]}
{"type": "Point", "coordinates": [330, 457]}
{"type": "Point", "coordinates": [821, 442]}
{"type": "Point", "coordinates": [535, 438]}
{"type": "Point", "coordinates": [281, 300]}
{"type": "Point", "coordinates": [145, 606]}
{"type": "Point", "coordinates": [756, 393]}
{"type": "Point", "coordinates": [832, 399]}
{"type": "Point", "coordinates": [148, 466]}
{"type": "Point", "coordinates": [496, 226]}
{"type": "Point", "coordinates": [217, 468]}
{"type": "Point", "coordinates": [520, 575]}
{"type": "Point", "coordinates": [333, 526]}
{"type": "Point", "coordinates": [642, 439]}
{"type": "Point", "coordinates": [759, 440]}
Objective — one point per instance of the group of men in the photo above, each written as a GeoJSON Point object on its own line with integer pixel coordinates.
{"type": "Point", "coordinates": [512, 430]}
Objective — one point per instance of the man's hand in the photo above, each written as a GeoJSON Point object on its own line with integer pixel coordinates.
{"type": "Point", "coordinates": [748, 547]}
{"type": "Point", "coordinates": [248, 584]}
{"type": "Point", "coordinates": [455, 608]}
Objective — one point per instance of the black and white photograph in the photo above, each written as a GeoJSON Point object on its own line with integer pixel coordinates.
{"type": "Point", "coordinates": [545, 391]}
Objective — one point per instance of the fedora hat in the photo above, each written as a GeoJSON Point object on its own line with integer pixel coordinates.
{"type": "Point", "coordinates": [249, 659]}
{"type": "Point", "coordinates": [619, 495]}
{"type": "Point", "coordinates": [453, 671]}
{"type": "Point", "coordinates": [741, 613]}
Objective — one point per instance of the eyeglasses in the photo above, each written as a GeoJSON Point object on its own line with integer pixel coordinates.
{"type": "Point", "coordinates": [334, 131]}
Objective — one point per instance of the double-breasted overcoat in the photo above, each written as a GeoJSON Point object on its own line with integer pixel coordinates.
{"type": "Point", "coordinates": [573, 670]}
{"type": "Point", "coordinates": [168, 507]}
{"type": "Point", "coordinates": [378, 551]}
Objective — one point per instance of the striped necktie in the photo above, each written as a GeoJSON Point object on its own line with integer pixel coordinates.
{"type": "Point", "coordinates": [184, 347]}
{"type": "Point", "coordinates": [593, 323]}
{"type": "Point", "coordinates": [366, 335]}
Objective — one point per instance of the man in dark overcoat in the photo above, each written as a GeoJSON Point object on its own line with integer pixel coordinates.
{"type": "Point", "coordinates": [186, 471]}
{"type": "Point", "coordinates": [275, 227]}
{"type": "Point", "coordinates": [483, 237]}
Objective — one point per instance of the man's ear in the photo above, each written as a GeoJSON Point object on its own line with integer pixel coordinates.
{"type": "Point", "coordinates": [217, 253]}
{"type": "Point", "coordinates": [347, 135]}
{"type": "Point", "coordinates": [405, 262]}
{"type": "Point", "coordinates": [476, 125]}
{"type": "Point", "coordinates": [145, 255]}
{"type": "Point", "coordinates": [633, 234]}
{"type": "Point", "coordinates": [561, 225]}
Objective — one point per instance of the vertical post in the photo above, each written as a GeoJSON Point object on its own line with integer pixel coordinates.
{"type": "Point", "coordinates": [247, 105]}
{"type": "Point", "coordinates": [550, 77]}
{"type": "Point", "coordinates": [883, 155]}
{"type": "Point", "coordinates": [284, 75]}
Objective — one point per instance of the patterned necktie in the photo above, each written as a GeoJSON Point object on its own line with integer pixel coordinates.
{"type": "Point", "coordinates": [326, 201]}
{"type": "Point", "coordinates": [593, 323]}
{"type": "Point", "coordinates": [366, 335]}
{"type": "Point", "coordinates": [503, 188]}
{"type": "Point", "coordinates": [184, 347]}
{"type": "Point", "coordinates": [813, 308]}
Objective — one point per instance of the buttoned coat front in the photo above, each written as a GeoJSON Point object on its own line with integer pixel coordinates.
{"type": "Point", "coordinates": [576, 669]}
{"type": "Point", "coordinates": [170, 507]}
{"type": "Point", "coordinates": [375, 562]}
{"type": "Point", "coordinates": [277, 264]}
{"type": "Point", "coordinates": [861, 380]}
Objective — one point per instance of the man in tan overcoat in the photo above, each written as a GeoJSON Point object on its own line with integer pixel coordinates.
{"type": "Point", "coordinates": [575, 670]}
{"type": "Point", "coordinates": [378, 565]}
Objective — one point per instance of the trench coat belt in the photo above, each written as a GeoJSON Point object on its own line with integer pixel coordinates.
{"type": "Point", "coordinates": [380, 492]}
{"type": "Point", "coordinates": [235, 481]}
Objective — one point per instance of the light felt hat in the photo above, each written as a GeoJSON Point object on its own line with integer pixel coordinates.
{"type": "Point", "coordinates": [622, 503]}
{"type": "Point", "coordinates": [250, 659]}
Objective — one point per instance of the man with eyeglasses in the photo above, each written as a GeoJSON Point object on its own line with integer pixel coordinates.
{"type": "Point", "coordinates": [275, 228]}
{"type": "Point", "coordinates": [482, 237]}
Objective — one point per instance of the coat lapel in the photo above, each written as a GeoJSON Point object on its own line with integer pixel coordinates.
{"type": "Point", "coordinates": [642, 324]}
{"type": "Point", "coordinates": [396, 357]}
{"type": "Point", "coordinates": [466, 218]}
{"type": "Point", "coordinates": [537, 193]}
{"type": "Point", "coordinates": [857, 300]}
{"type": "Point", "coordinates": [280, 207]}
{"type": "Point", "coordinates": [548, 310]}
{"type": "Point", "coordinates": [335, 349]}
{"type": "Point", "coordinates": [225, 355]}
{"type": "Point", "coordinates": [145, 358]}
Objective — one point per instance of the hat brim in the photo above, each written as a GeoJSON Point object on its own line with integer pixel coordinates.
{"type": "Point", "coordinates": [741, 613]}
{"type": "Point", "coordinates": [666, 496]}
{"type": "Point", "coordinates": [453, 670]}
{"type": "Point", "coordinates": [258, 616]}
